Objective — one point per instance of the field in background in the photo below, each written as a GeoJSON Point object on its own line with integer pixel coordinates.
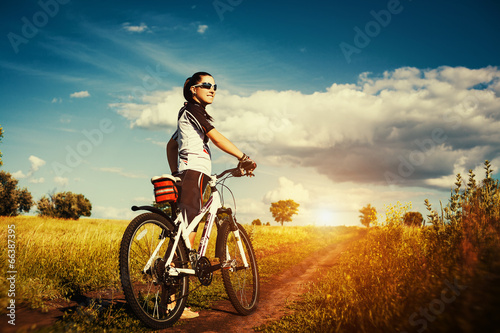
{"type": "Point", "coordinates": [65, 258]}
{"type": "Point", "coordinates": [444, 277]}
{"type": "Point", "coordinates": [60, 258]}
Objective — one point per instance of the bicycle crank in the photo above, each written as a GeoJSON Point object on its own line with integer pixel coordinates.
{"type": "Point", "coordinates": [204, 271]}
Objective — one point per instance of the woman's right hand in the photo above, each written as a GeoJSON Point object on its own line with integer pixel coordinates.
{"type": "Point", "coordinates": [246, 165]}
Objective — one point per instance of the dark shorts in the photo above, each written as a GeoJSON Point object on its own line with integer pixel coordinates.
{"type": "Point", "coordinates": [191, 191]}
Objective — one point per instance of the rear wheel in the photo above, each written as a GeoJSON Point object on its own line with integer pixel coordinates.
{"type": "Point", "coordinates": [241, 283]}
{"type": "Point", "coordinates": [155, 297]}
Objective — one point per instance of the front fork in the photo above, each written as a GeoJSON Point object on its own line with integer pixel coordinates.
{"type": "Point", "coordinates": [219, 247]}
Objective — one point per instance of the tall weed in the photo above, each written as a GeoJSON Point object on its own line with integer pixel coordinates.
{"type": "Point", "coordinates": [442, 277]}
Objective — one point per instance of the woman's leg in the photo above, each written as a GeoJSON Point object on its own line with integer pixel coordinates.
{"type": "Point", "coordinates": [193, 185]}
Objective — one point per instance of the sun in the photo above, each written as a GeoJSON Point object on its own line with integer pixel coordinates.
{"type": "Point", "coordinates": [325, 217]}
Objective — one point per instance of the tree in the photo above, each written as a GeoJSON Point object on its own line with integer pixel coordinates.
{"type": "Point", "coordinates": [368, 215]}
{"type": "Point", "coordinates": [13, 201]}
{"type": "Point", "coordinates": [65, 205]}
{"type": "Point", "coordinates": [413, 219]}
{"type": "Point", "coordinates": [256, 222]}
{"type": "Point", "coordinates": [165, 207]}
{"type": "Point", "coordinates": [283, 210]}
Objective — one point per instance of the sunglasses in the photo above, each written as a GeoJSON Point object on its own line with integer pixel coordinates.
{"type": "Point", "coordinates": [206, 85]}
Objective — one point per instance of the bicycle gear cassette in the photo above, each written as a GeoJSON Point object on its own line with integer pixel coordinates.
{"type": "Point", "coordinates": [204, 272]}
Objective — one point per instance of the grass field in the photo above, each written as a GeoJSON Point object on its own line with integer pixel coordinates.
{"type": "Point", "coordinates": [60, 258]}
{"type": "Point", "coordinates": [65, 258]}
{"type": "Point", "coordinates": [444, 277]}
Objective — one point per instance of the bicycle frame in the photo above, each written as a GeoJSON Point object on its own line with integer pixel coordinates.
{"type": "Point", "coordinates": [184, 230]}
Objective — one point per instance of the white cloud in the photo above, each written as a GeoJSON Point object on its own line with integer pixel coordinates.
{"type": "Point", "coordinates": [80, 94]}
{"type": "Point", "coordinates": [287, 190]}
{"type": "Point", "coordinates": [56, 100]}
{"type": "Point", "coordinates": [36, 163]}
{"type": "Point", "coordinates": [156, 110]}
{"type": "Point", "coordinates": [61, 181]}
{"type": "Point", "coordinates": [135, 28]}
{"type": "Point", "coordinates": [18, 175]}
{"type": "Point", "coordinates": [119, 171]}
{"type": "Point", "coordinates": [202, 28]}
{"type": "Point", "coordinates": [37, 180]}
{"type": "Point", "coordinates": [401, 128]}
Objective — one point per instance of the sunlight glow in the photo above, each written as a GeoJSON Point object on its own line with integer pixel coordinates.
{"type": "Point", "coordinates": [325, 217]}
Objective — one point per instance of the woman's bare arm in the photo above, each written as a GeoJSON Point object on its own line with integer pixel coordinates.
{"type": "Point", "coordinates": [224, 144]}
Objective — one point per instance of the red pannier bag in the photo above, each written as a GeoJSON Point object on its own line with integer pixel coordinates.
{"type": "Point", "coordinates": [165, 189]}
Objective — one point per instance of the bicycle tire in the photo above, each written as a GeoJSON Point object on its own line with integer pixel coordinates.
{"type": "Point", "coordinates": [147, 293]}
{"type": "Point", "coordinates": [242, 284]}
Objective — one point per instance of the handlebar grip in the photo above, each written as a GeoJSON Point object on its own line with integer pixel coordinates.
{"type": "Point", "coordinates": [232, 171]}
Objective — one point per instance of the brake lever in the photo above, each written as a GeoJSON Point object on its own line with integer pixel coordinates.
{"type": "Point", "coordinates": [249, 173]}
{"type": "Point", "coordinates": [242, 172]}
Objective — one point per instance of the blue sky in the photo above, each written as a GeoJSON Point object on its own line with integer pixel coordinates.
{"type": "Point", "coordinates": [340, 103]}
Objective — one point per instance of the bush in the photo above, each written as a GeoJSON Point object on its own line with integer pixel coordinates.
{"type": "Point", "coordinates": [65, 205]}
{"type": "Point", "coordinates": [13, 201]}
{"type": "Point", "coordinates": [256, 222]}
{"type": "Point", "coordinates": [443, 278]}
{"type": "Point", "coordinates": [413, 219]}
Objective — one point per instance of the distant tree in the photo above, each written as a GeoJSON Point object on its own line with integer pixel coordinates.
{"type": "Point", "coordinates": [166, 207]}
{"type": "Point", "coordinates": [13, 201]}
{"type": "Point", "coordinates": [256, 222]}
{"type": "Point", "coordinates": [283, 210]}
{"type": "Point", "coordinates": [64, 205]}
{"type": "Point", "coordinates": [413, 219]}
{"type": "Point", "coordinates": [368, 215]}
{"type": "Point", "coordinates": [268, 224]}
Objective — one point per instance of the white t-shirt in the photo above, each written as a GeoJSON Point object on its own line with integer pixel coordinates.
{"type": "Point", "coordinates": [192, 139]}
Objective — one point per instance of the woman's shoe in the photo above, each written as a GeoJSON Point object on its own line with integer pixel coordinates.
{"type": "Point", "coordinates": [188, 314]}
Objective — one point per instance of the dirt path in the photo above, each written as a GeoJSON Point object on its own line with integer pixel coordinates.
{"type": "Point", "coordinates": [274, 297]}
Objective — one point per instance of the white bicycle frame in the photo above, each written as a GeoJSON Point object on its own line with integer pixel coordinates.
{"type": "Point", "coordinates": [185, 229]}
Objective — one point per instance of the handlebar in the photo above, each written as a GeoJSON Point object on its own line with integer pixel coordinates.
{"type": "Point", "coordinates": [235, 172]}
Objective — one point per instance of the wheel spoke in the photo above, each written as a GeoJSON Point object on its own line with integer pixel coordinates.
{"type": "Point", "coordinates": [241, 283]}
{"type": "Point", "coordinates": [149, 293]}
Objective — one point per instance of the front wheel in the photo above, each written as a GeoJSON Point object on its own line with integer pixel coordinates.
{"type": "Point", "coordinates": [241, 283]}
{"type": "Point", "coordinates": [155, 297]}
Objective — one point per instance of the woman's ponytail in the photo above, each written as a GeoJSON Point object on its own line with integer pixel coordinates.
{"type": "Point", "coordinates": [188, 95]}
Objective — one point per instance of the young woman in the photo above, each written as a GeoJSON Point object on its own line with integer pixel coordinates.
{"type": "Point", "coordinates": [188, 150]}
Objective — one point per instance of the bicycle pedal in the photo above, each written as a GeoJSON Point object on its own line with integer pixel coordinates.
{"type": "Point", "coordinates": [226, 265]}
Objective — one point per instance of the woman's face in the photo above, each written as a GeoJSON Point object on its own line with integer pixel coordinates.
{"type": "Point", "coordinates": [203, 95]}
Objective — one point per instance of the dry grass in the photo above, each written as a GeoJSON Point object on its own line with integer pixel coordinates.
{"type": "Point", "coordinates": [441, 278]}
{"type": "Point", "coordinates": [58, 258]}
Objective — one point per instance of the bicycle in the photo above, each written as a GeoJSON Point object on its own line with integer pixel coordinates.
{"type": "Point", "coordinates": [157, 261]}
